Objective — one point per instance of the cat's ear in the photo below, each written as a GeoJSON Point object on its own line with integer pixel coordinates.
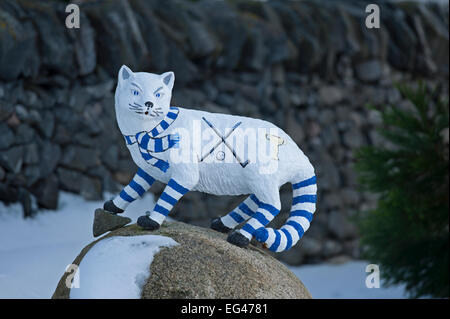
{"type": "Point", "coordinates": [125, 74]}
{"type": "Point", "coordinates": [168, 79]}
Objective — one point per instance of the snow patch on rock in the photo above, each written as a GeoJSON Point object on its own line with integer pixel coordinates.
{"type": "Point", "coordinates": [118, 267]}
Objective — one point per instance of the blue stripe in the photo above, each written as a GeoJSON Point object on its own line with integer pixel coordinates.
{"type": "Point", "coordinates": [246, 209]}
{"type": "Point", "coordinates": [158, 145]}
{"type": "Point", "coordinates": [154, 132]}
{"type": "Point", "coordinates": [169, 199]}
{"type": "Point", "coordinates": [150, 180]}
{"type": "Point", "coordinates": [255, 199]}
{"type": "Point", "coordinates": [307, 182]}
{"type": "Point", "coordinates": [125, 196]}
{"type": "Point", "coordinates": [172, 115]}
{"type": "Point", "coordinates": [162, 165]}
{"type": "Point", "coordinates": [302, 213]}
{"type": "Point", "coordinates": [144, 141]}
{"type": "Point", "coordinates": [297, 227]}
{"type": "Point", "coordinates": [304, 199]}
{"type": "Point", "coordinates": [238, 218]}
{"type": "Point", "coordinates": [175, 186]}
{"type": "Point", "coordinates": [164, 124]}
{"type": "Point", "coordinates": [261, 218]}
{"type": "Point", "coordinates": [127, 139]}
{"type": "Point", "coordinates": [270, 209]}
{"type": "Point", "coordinates": [137, 188]}
{"type": "Point", "coordinates": [146, 156]}
{"type": "Point", "coordinates": [161, 210]}
{"type": "Point", "coordinates": [288, 238]}
{"type": "Point", "coordinates": [276, 243]}
{"type": "Point", "coordinates": [249, 228]}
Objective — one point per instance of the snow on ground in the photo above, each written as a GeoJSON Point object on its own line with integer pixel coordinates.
{"type": "Point", "coordinates": [34, 253]}
{"type": "Point", "coordinates": [118, 267]}
{"type": "Point", "coordinates": [344, 281]}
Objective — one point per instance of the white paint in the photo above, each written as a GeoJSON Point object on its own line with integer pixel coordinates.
{"type": "Point", "coordinates": [118, 267]}
{"type": "Point", "coordinates": [273, 161]}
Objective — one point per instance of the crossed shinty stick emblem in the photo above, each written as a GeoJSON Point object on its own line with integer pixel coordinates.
{"type": "Point", "coordinates": [223, 140]}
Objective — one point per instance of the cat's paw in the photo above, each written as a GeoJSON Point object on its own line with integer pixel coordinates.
{"type": "Point", "coordinates": [147, 223]}
{"type": "Point", "coordinates": [236, 238]}
{"type": "Point", "coordinates": [217, 225]}
{"type": "Point", "coordinates": [261, 234]}
{"type": "Point", "coordinates": [110, 207]}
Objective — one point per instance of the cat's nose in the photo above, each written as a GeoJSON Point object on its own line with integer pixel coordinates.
{"type": "Point", "coordinates": [149, 104]}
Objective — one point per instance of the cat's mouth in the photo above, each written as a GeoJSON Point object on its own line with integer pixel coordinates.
{"type": "Point", "coordinates": [146, 111]}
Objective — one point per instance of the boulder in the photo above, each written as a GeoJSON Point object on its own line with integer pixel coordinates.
{"type": "Point", "coordinates": [203, 265]}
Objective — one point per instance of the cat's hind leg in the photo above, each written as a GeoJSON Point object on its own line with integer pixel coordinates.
{"type": "Point", "coordinates": [243, 212]}
{"type": "Point", "coordinates": [269, 206]}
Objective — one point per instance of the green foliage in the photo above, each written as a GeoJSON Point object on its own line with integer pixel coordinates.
{"type": "Point", "coordinates": [407, 235]}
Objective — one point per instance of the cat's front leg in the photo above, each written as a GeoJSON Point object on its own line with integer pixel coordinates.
{"type": "Point", "coordinates": [171, 195]}
{"type": "Point", "coordinates": [140, 183]}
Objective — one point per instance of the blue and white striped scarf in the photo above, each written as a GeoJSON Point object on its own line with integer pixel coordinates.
{"type": "Point", "coordinates": [148, 143]}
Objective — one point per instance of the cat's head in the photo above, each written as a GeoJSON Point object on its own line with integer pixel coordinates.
{"type": "Point", "coordinates": [142, 99]}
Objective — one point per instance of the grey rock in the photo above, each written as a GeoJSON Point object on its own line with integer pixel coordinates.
{"type": "Point", "coordinates": [12, 159]}
{"type": "Point", "coordinates": [111, 157]}
{"type": "Point", "coordinates": [6, 109]}
{"type": "Point", "coordinates": [2, 173]}
{"type": "Point", "coordinates": [353, 138]}
{"type": "Point", "coordinates": [50, 156]}
{"type": "Point", "coordinates": [80, 158]}
{"type": "Point", "coordinates": [350, 196]}
{"type": "Point", "coordinates": [69, 180]}
{"type": "Point", "coordinates": [47, 192]}
{"type": "Point", "coordinates": [330, 95]}
{"type": "Point", "coordinates": [310, 246]}
{"type": "Point", "coordinates": [84, 45]}
{"type": "Point", "coordinates": [47, 124]}
{"type": "Point", "coordinates": [331, 248]}
{"type": "Point", "coordinates": [91, 188]}
{"type": "Point", "coordinates": [369, 71]}
{"type": "Point", "coordinates": [340, 227]}
{"type": "Point", "coordinates": [32, 174]}
{"type": "Point", "coordinates": [105, 221]}
{"type": "Point", "coordinates": [6, 136]}
{"type": "Point", "coordinates": [205, 265]}
{"type": "Point", "coordinates": [31, 154]}
{"type": "Point", "coordinates": [293, 256]}
{"type": "Point", "coordinates": [56, 52]}
{"type": "Point", "coordinates": [24, 134]}
{"type": "Point", "coordinates": [352, 248]}
{"type": "Point", "coordinates": [18, 43]}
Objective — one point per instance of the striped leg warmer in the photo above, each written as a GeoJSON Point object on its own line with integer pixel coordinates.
{"type": "Point", "coordinates": [171, 195]}
{"type": "Point", "coordinates": [264, 214]}
{"type": "Point", "coordinates": [140, 183]}
{"type": "Point", "coordinates": [241, 213]}
{"type": "Point", "coordinates": [303, 208]}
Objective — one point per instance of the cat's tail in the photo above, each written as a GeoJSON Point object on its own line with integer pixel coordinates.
{"type": "Point", "coordinates": [303, 208]}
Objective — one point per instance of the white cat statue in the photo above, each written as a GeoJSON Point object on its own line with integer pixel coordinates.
{"type": "Point", "coordinates": [214, 153]}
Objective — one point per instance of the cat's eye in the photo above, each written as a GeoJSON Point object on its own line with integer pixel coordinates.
{"type": "Point", "coordinates": [135, 92]}
{"type": "Point", "coordinates": [159, 95]}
